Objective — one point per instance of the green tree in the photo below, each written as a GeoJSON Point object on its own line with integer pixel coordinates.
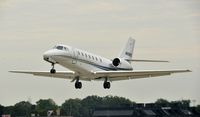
{"type": "Point", "coordinates": [44, 105]}
{"type": "Point", "coordinates": [9, 110]}
{"type": "Point", "coordinates": [1, 109]}
{"type": "Point", "coordinates": [181, 103]}
{"type": "Point", "coordinates": [115, 101]}
{"type": "Point", "coordinates": [22, 108]}
{"type": "Point", "coordinates": [89, 104]}
{"type": "Point", "coordinates": [71, 107]}
{"type": "Point", "coordinates": [33, 109]}
{"type": "Point", "coordinates": [162, 103]}
{"type": "Point", "coordinates": [198, 108]}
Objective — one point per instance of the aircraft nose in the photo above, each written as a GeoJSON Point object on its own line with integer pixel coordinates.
{"type": "Point", "coordinates": [47, 55]}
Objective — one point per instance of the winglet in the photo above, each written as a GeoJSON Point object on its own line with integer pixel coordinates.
{"type": "Point", "coordinates": [188, 70]}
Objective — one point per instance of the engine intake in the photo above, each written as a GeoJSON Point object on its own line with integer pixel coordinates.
{"type": "Point", "coordinates": [116, 62]}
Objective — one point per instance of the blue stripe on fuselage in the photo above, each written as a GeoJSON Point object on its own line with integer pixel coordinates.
{"type": "Point", "coordinates": [96, 65]}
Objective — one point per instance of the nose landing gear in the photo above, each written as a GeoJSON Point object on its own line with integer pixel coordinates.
{"type": "Point", "coordinates": [52, 71]}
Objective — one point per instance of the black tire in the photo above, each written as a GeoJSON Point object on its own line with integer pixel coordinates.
{"type": "Point", "coordinates": [52, 71]}
{"type": "Point", "coordinates": [106, 85]}
{"type": "Point", "coordinates": [78, 85]}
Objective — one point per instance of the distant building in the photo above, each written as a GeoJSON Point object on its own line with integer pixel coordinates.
{"type": "Point", "coordinates": [149, 110]}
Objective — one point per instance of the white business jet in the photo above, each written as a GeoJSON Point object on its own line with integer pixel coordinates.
{"type": "Point", "coordinates": [87, 66]}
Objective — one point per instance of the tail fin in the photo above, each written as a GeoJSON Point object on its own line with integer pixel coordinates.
{"type": "Point", "coordinates": [127, 51]}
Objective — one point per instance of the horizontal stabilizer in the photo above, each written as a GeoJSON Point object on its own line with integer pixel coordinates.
{"type": "Point", "coordinates": [141, 60]}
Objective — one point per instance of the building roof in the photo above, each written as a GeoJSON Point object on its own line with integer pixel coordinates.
{"type": "Point", "coordinates": [147, 112]}
{"type": "Point", "coordinates": [113, 113]}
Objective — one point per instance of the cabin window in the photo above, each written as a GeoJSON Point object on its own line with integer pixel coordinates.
{"type": "Point", "coordinates": [86, 55]}
{"type": "Point", "coordinates": [100, 60]}
{"type": "Point", "coordinates": [96, 59]}
{"type": "Point", "coordinates": [82, 53]}
{"type": "Point", "coordinates": [93, 57]}
{"type": "Point", "coordinates": [78, 53]}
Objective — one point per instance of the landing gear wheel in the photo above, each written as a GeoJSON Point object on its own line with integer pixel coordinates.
{"type": "Point", "coordinates": [106, 85]}
{"type": "Point", "coordinates": [78, 85]}
{"type": "Point", "coordinates": [52, 71]}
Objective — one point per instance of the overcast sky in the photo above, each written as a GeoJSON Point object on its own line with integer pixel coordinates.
{"type": "Point", "coordinates": [163, 29]}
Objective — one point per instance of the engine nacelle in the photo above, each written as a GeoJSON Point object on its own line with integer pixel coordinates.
{"type": "Point", "coordinates": [116, 62]}
{"type": "Point", "coordinates": [121, 63]}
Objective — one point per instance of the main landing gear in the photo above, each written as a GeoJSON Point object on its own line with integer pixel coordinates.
{"type": "Point", "coordinates": [106, 84]}
{"type": "Point", "coordinates": [52, 71]}
{"type": "Point", "coordinates": [78, 84]}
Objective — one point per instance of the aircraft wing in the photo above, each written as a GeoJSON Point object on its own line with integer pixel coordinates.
{"type": "Point", "coordinates": [135, 74]}
{"type": "Point", "coordinates": [112, 75]}
{"type": "Point", "coordinates": [58, 74]}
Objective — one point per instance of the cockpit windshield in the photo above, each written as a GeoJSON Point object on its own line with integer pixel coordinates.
{"type": "Point", "coordinates": [59, 47]}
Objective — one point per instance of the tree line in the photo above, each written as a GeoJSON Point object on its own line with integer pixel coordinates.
{"type": "Point", "coordinates": [79, 107]}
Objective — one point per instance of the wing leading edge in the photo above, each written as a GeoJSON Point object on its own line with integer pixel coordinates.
{"type": "Point", "coordinates": [124, 75]}
{"type": "Point", "coordinates": [58, 74]}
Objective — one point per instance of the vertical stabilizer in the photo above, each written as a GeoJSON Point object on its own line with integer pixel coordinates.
{"type": "Point", "coordinates": [127, 51]}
